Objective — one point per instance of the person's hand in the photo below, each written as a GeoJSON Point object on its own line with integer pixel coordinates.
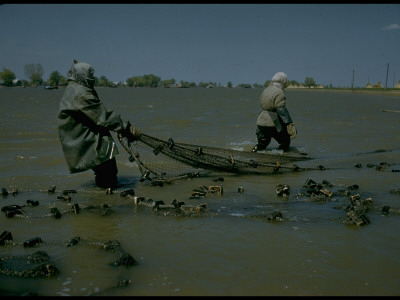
{"type": "Point", "coordinates": [130, 132]}
{"type": "Point", "coordinates": [292, 131]}
{"type": "Point", "coordinates": [134, 133]}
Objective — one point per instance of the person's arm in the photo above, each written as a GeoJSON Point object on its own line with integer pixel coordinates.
{"type": "Point", "coordinates": [93, 109]}
{"type": "Point", "coordinates": [280, 105]}
{"type": "Point", "coordinates": [285, 115]}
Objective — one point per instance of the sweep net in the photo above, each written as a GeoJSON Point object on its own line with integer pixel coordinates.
{"type": "Point", "coordinates": [169, 159]}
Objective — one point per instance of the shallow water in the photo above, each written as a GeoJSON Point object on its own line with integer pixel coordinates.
{"type": "Point", "coordinates": [228, 250]}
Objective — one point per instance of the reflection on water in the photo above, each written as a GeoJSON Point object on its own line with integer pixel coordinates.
{"type": "Point", "coordinates": [227, 251]}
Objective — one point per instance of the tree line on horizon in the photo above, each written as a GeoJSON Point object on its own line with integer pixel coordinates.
{"type": "Point", "coordinates": [35, 74]}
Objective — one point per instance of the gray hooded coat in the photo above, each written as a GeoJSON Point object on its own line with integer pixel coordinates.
{"type": "Point", "coordinates": [273, 104]}
{"type": "Point", "coordinates": [84, 123]}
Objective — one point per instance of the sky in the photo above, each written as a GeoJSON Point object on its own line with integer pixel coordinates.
{"type": "Point", "coordinates": [337, 44]}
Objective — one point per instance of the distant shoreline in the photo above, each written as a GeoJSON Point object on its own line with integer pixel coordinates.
{"type": "Point", "coordinates": [386, 92]}
{"type": "Point", "coordinates": [373, 91]}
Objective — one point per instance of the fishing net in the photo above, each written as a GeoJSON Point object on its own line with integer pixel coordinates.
{"type": "Point", "coordinates": [167, 160]}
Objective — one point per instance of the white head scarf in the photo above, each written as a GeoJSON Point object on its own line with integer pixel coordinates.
{"type": "Point", "coordinates": [279, 80]}
{"type": "Point", "coordinates": [81, 73]}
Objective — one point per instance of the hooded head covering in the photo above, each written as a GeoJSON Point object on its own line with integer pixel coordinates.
{"type": "Point", "coordinates": [81, 73]}
{"type": "Point", "coordinates": [279, 79]}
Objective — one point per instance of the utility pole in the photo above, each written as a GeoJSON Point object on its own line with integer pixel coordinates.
{"type": "Point", "coordinates": [352, 81]}
{"type": "Point", "coordinates": [387, 72]}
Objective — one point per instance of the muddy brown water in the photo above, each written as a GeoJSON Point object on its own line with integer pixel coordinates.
{"type": "Point", "coordinates": [232, 249]}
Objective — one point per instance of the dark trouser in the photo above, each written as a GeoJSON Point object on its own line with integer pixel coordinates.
{"type": "Point", "coordinates": [265, 134]}
{"type": "Point", "coordinates": [106, 174]}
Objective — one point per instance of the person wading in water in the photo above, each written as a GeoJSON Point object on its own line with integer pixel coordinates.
{"type": "Point", "coordinates": [84, 126]}
{"type": "Point", "coordinates": [274, 120]}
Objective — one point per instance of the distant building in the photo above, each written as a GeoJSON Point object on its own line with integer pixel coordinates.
{"type": "Point", "coordinates": [17, 82]}
{"type": "Point", "coordinates": [378, 85]}
{"type": "Point", "coordinates": [295, 86]}
{"type": "Point", "coordinates": [369, 86]}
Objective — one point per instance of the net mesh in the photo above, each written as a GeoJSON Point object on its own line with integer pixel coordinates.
{"type": "Point", "coordinates": [168, 159]}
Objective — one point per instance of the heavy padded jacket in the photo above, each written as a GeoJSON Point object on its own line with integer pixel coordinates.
{"type": "Point", "coordinates": [272, 97]}
{"type": "Point", "coordinates": [84, 126]}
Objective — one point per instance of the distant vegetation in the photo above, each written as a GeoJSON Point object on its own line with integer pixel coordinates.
{"type": "Point", "coordinates": [7, 77]}
{"type": "Point", "coordinates": [34, 72]}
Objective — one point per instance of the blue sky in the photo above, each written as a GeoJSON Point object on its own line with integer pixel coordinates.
{"type": "Point", "coordinates": [240, 43]}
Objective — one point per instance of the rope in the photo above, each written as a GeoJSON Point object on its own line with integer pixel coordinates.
{"type": "Point", "coordinates": [135, 157]}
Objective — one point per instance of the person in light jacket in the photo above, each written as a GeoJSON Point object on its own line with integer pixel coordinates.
{"type": "Point", "coordinates": [274, 120]}
{"type": "Point", "coordinates": [84, 126]}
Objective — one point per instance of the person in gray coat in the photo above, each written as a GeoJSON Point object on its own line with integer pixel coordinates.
{"type": "Point", "coordinates": [84, 126]}
{"type": "Point", "coordinates": [274, 120]}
